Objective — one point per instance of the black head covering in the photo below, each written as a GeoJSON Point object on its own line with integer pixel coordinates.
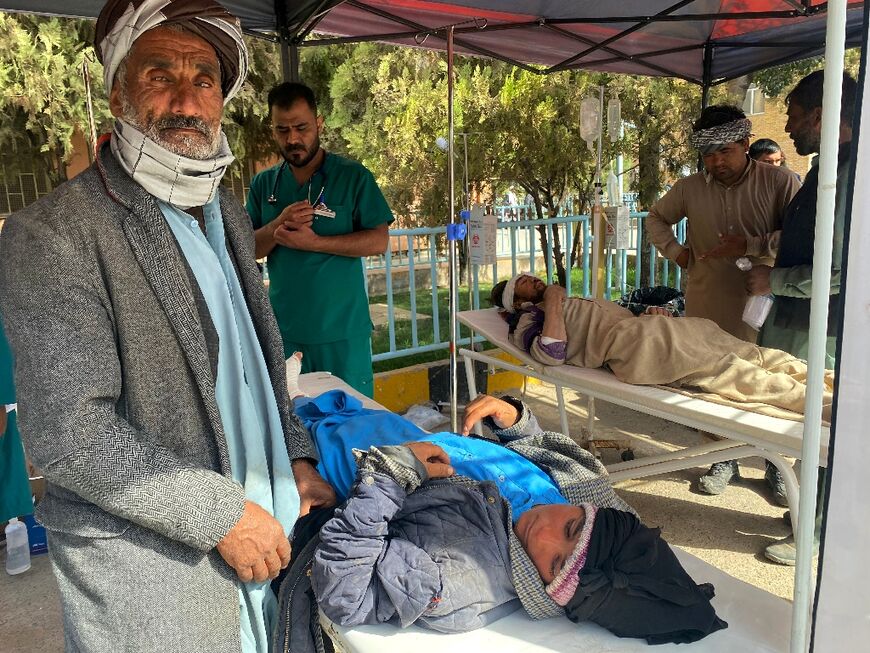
{"type": "Point", "coordinates": [633, 585]}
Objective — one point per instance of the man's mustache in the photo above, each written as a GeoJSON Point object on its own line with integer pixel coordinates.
{"type": "Point", "coordinates": [183, 122]}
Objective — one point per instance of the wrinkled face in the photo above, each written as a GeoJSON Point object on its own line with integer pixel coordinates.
{"type": "Point", "coordinates": [171, 92]}
{"type": "Point", "coordinates": [804, 128]}
{"type": "Point", "coordinates": [728, 162]}
{"type": "Point", "coordinates": [296, 131]}
{"type": "Point", "coordinates": [774, 159]}
{"type": "Point", "coordinates": [529, 289]}
{"type": "Point", "coordinates": [549, 533]}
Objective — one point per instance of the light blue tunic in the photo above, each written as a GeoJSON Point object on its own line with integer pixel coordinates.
{"type": "Point", "coordinates": [249, 413]}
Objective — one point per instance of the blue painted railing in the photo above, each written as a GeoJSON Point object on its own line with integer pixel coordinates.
{"type": "Point", "coordinates": [518, 249]}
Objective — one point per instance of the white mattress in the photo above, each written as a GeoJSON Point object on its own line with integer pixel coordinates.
{"type": "Point", "coordinates": [780, 435]}
{"type": "Point", "coordinates": [758, 621]}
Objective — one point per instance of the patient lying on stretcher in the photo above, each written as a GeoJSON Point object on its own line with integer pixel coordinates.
{"type": "Point", "coordinates": [450, 532]}
{"type": "Point", "coordinates": [651, 349]}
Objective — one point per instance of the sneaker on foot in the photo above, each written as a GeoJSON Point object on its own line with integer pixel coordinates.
{"type": "Point", "coordinates": [784, 552]}
{"type": "Point", "coordinates": [718, 477]}
{"type": "Point", "coordinates": [777, 485]}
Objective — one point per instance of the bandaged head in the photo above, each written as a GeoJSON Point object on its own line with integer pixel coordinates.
{"type": "Point", "coordinates": [121, 22]}
{"type": "Point", "coordinates": [714, 138]}
{"type": "Point", "coordinates": [507, 297]}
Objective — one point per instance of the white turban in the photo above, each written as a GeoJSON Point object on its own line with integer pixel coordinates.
{"type": "Point", "coordinates": [121, 22]}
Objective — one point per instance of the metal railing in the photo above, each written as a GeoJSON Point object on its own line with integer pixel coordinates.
{"type": "Point", "coordinates": [408, 277]}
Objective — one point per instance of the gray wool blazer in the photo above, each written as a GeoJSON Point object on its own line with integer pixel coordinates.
{"type": "Point", "coordinates": [115, 358]}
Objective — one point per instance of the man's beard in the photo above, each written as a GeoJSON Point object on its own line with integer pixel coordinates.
{"type": "Point", "coordinates": [805, 144]}
{"type": "Point", "coordinates": [298, 156]}
{"type": "Point", "coordinates": [190, 146]}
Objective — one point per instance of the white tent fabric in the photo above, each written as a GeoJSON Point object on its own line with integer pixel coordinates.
{"type": "Point", "coordinates": [843, 599]}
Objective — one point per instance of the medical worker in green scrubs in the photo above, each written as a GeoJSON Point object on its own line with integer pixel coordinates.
{"type": "Point", "coordinates": [15, 497]}
{"type": "Point", "coordinates": [315, 215]}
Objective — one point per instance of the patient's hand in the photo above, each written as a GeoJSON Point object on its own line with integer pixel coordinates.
{"type": "Point", "coordinates": [555, 292]}
{"type": "Point", "coordinates": [434, 458]}
{"type": "Point", "coordinates": [657, 310]}
{"type": "Point", "coordinates": [503, 414]}
{"type": "Point", "coordinates": [314, 492]}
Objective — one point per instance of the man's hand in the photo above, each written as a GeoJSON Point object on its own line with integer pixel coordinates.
{"type": "Point", "coordinates": [314, 492]}
{"type": "Point", "coordinates": [434, 458]}
{"type": "Point", "coordinates": [758, 280]}
{"type": "Point", "coordinates": [256, 546]}
{"type": "Point", "coordinates": [503, 414]}
{"type": "Point", "coordinates": [297, 236]}
{"type": "Point", "coordinates": [3, 420]}
{"type": "Point", "coordinates": [729, 245]}
{"type": "Point", "coordinates": [657, 310]}
{"type": "Point", "coordinates": [554, 292]}
{"type": "Point", "coordinates": [298, 213]}
{"type": "Point", "coordinates": [683, 259]}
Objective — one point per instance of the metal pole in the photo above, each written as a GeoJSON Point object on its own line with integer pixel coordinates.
{"type": "Point", "coordinates": [467, 207]}
{"type": "Point", "coordinates": [835, 43]}
{"type": "Point", "coordinates": [289, 61]}
{"type": "Point", "coordinates": [452, 244]}
{"type": "Point", "coordinates": [598, 210]}
{"type": "Point", "coordinates": [92, 129]}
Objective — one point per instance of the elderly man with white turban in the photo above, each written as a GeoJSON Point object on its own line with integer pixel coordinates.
{"type": "Point", "coordinates": [149, 365]}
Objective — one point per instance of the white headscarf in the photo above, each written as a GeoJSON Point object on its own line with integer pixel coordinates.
{"type": "Point", "coordinates": [173, 178]}
{"type": "Point", "coordinates": [507, 297]}
{"type": "Point", "coordinates": [121, 22]}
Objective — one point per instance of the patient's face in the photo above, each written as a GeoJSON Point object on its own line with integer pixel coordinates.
{"type": "Point", "coordinates": [549, 533]}
{"type": "Point", "coordinates": [529, 289]}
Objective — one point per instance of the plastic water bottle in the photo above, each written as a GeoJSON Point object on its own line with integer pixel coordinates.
{"type": "Point", "coordinates": [758, 306]}
{"type": "Point", "coordinates": [17, 547]}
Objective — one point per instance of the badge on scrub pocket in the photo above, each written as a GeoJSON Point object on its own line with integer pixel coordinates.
{"type": "Point", "coordinates": [323, 211]}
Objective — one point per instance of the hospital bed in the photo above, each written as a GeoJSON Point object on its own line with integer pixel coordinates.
{"type": "Point", "coordinates": [746, 433]}
{"type": "Point", "coordinates": [758, 621]}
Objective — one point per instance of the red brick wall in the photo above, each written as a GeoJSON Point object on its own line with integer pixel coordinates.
{"type": "Point", "coordinates": [771, 124]}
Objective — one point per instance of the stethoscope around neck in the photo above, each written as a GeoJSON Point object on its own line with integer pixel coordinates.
{"type": "Point", "coordinates": [272, 200]}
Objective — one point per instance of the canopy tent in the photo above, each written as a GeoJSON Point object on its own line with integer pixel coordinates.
{"type": "Point", "coordinates": [725, 38]}
{"type": "Point", "coordinates": [702, 41]}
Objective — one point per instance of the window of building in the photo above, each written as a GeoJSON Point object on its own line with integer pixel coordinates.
{"type": "Point", "coordinates": [754, 102]}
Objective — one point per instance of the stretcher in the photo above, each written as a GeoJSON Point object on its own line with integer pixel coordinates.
{"type": "Point", "coordinates": [758, 621]}
{"type": "Point", "coordinates": [745, 433]}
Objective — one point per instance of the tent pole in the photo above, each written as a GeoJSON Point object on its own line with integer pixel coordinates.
{"type": "Point", "coordinates": [289, 60]}
{"type": "Point", "coordinates": [707, 80]}
{"type": "Point", "coordinates": [452, 243]}
{"type": "Point", "coordinates": [835, 45]}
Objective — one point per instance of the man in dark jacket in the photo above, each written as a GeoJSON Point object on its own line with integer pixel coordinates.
{"type": "Point", "coordinates": [790, 279]}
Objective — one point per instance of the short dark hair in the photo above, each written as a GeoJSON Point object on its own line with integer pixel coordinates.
{"type": "Point", "coordinates": [716, 115]}
{"type": "Point", "coordinates": [287, 94]}
{"type": "Point", "coordinates": [495, 297]}
{"type": "Point", "coordinates": [763, 146]}
{"type": "Point", "coordinates": [808, 94]}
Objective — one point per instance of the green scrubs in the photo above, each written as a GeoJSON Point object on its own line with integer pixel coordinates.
{"type": "Point", "coordinates": [15, 497]}
{"type": "Point", "coordinates": [320, 299]}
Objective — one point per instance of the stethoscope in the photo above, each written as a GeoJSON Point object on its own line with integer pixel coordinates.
{"type": "Point", "coordinates": [274, 200]}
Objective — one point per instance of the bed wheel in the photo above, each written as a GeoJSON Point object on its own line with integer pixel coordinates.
{"type": "Point", "coordinates": [627, 455]}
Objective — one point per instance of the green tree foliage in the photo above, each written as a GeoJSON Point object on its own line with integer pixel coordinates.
{"type": "Point", "coordinates": [41, 62]}
{"type": "Point", "coordinates": [779, 80]}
